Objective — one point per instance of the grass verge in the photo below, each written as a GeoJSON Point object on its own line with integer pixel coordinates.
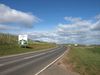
{"type": "Point", "coordinates": [8, 50]}
{"type": "Point", "coordinates": [9, 45]}
{"type": "Point", "coordinates": [84, 60]}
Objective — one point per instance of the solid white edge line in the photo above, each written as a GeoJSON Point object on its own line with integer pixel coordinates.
{"type": "Point", "coordinates": [51, 63]}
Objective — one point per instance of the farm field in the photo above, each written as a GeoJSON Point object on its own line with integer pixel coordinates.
{"type": "Point", "coordinates": [84, 60]}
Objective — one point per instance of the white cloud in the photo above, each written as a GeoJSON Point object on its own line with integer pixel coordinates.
{"type": "Point", "coordinates": [80, 30]}
{"type": "Point", "coordinates": [77, 31]}
{"type": "Point", "coordinates": [9, 15]}
{"type": "Point", "coordinates": [96, 26]}
{"type": "Point", "coordinates": [72, 19]}
{"type": "Point", "coordinates": [97, 16]}
{"type": "Point", "coordinates": [44, 36]}
{"type": "Point", "coordinates": [6, 27]}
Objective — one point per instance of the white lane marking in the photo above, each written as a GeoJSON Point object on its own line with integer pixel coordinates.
{"type": "Point", "coordinates": [15, 68]}
{"type": "Point", "coordinates": [26, 53]}
{"type": "Point", "coordinates": [21, 59]}
{"type": "Point", "coordinates": [33, 56]}
{"type": "Point", "coordinates": [25, 58]}
{"type": "Point", "coordinates": [50, 63]}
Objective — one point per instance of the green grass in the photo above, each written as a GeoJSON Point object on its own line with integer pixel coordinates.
{"type": "Point", "coordinates": [8, 39]}
{"type": "Point", "coordinates": [9, 45]}
{"type": "Point", "coordinates": [15, 50]}
{"type": "Point", "coordinates": [85, 60]}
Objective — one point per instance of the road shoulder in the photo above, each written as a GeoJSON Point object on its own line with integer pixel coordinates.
{"type": "Point", "coordinates": [58, 68]}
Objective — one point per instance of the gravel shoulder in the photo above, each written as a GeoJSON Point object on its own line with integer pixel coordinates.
{"type": "Point", "coordinates": [59, 68]}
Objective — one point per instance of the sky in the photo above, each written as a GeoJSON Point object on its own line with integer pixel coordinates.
{"type": "Point", "coordinates": [60, 21]}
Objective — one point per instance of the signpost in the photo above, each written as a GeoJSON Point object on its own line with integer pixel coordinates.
{"type": "Point", "coordinates": [23, 40]}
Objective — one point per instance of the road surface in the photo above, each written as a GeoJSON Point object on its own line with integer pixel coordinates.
{"type": "Point", "coordinates": [29, 64]}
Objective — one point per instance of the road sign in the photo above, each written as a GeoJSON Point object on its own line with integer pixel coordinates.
{"type": "Point", "coordinates": [23, 40]}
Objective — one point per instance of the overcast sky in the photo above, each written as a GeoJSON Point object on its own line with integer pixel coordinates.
{"type": "Point", "coordinates": [60, 21]}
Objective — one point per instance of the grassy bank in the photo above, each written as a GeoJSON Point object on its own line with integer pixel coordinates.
{"type": "Point", "coordinates": [84, 60]}
{"type": "Point", "coordinates": [9, 45]}
{"type": "Point", "coordinates": [33, 47]}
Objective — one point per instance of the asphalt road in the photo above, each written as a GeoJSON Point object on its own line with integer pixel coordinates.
{"type": "Point", "coordinates": [30, 63]}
